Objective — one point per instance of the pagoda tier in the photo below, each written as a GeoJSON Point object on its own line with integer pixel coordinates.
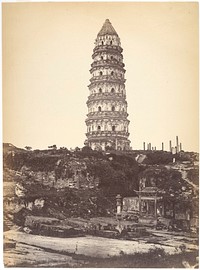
{"type": "Point", "coordinates": [107, 123]}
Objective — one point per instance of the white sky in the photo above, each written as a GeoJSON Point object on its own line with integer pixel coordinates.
{"type": "Point", "coordinates": [47, 49]}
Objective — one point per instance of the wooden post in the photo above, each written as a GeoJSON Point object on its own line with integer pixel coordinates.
{"type": "Point", "coordinates": [173, 209]}
{"type": "Point", "coordinates": [156, 205]}
{"type": "Point", "coordinates": [164, 209]}
{"type": "Point", "coordinates": [140, 205]}
{"type": "Point", "coordinates": [147, 207]}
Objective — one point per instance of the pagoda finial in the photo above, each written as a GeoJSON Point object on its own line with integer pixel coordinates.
{"type": "Point", "coordinates": [107, 28]}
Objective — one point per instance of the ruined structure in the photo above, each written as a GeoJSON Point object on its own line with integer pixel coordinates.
{"type": "Point", "coordinates": [107, 123]}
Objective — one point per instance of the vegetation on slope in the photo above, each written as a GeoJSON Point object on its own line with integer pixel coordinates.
{"type": "Point", "coordinates": [117, 173]}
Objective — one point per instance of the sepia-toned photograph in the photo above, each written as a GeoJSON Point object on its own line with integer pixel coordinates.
{"type": "Point", "coordinates": [100, 134]}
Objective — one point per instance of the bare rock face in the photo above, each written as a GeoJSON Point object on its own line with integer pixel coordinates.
{"type": "Point", "coordinates": [20, 191]}
{"type": "Point", "coordinates": [140, 158]}
{"type": "Point", "coordinates": [39, 203]}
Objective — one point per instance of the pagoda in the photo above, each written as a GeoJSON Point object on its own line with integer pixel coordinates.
{"type": "Point", "coordinates": [107, 123]}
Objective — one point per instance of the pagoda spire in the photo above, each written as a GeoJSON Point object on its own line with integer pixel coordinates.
{"type": "Point", "coordinates": [107, 123]}
{"type": "Point", "coordinates": [107, 28]}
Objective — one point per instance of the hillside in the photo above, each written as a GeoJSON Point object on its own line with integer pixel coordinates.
{"type": "Point", "coordinates": [84, 183]}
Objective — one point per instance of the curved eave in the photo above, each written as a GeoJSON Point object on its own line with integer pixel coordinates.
{"type": "Point", "coordinates": [107, 78]}
{"type": "Point", "coordinates": [120, 117]}
{"type": "Point", "coordinates": [107, 66]}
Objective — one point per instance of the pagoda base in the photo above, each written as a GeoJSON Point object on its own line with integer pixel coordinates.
{"type": "Point", "coordinates": [103, 144]}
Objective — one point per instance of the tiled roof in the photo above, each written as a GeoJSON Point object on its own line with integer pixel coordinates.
{"type": "Point", "coordinates": [152, 190]}
{"type": "Point", "coordinates": [107, 28]}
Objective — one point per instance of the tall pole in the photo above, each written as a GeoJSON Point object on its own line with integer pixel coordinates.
{"type": "Point", "coordinates": [177, 144]}
{"type": "Point", "coordinates": [144, 145]}
{"type": "Point", "coordinates": [170, 146]}
{"type": "Point", "coordinates": [162, 146]}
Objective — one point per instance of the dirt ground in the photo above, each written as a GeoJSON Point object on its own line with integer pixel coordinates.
{"type": "Point", "coordinates": [42, 251]}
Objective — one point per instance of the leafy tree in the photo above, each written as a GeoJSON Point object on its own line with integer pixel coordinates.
{"type": "Point", "coordinates": [28, 148]}
{"type": "Point", "coordinates": [64, 148]}
{"type": "Point", "coordinates": [168, 180]}
{"type": "Point", "coordinates": [193, 175]}
{"type": "Point", "coordinates": [159, 157]}
{"type": "Point", "coordinates": [177, 192]}
{"type": "Point", "coordinates": [87, 149]}
{"type": "Point", "coordinates": [54, 147]}
{"type": "Point", "coordinates": [119, 175]}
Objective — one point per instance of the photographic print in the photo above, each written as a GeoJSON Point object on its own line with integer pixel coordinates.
{"type": "Point", "coordinates": [100, 134]}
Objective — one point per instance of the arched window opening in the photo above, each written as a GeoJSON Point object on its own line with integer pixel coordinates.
{"type": "Point", "coordinates": [102, 43]}
{"type": "Point", "coordinates": [99, 108]}
{"type": "Point", "coordinates": [98, 128]}
{"type": "Point", "coordinates": [111, 57]}
{"type": "Point", "coordinates": [112, 73]}
{"type": "Point", "coordinates": [111, 42]}
{"type": "Point", "coordinates": [100, 73]}
{"type": "Point", "coordinates": [100, 90]}
{"type": "Point", "coordinates": [113, 108]}
{"type": "Point", "coordinates": [113, 128]}
{"type": "Point", "coordinates": [101, 57]}
{"type": "Point", "coordinates": [112, 90]}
